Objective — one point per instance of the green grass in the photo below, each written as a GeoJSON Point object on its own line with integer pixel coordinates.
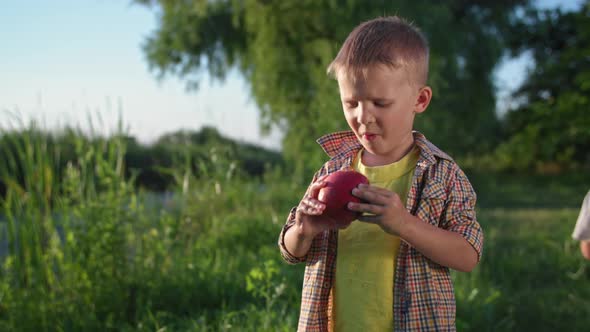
{"type": "Point", "coordinates": [92, 253]}
{"type": "Point", "coordinates": [531, 276]}
{"type": "Point", "coordinates": [506, 190]}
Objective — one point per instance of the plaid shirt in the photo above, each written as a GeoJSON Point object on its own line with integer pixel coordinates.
{"type": "Point", "coordinates": [424, 299]}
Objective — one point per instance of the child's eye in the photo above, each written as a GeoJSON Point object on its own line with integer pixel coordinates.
{"type": "Point", "coordinates": [381, 104]}
{"type": "Point", "coordinates": [351, 104]}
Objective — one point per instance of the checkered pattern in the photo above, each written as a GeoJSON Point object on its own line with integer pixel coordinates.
{"type": "Point", "coordinates": [424, 299]}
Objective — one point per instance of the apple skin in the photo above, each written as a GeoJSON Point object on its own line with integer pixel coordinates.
{"type": "Point", "coordinates": [337, 193]}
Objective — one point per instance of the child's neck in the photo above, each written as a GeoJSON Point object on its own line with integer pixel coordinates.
{"type": "Point", "coordinates": [371, 160]}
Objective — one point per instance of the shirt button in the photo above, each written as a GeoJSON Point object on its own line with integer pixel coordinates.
{"type": "Point", "coordinates": [326, 284]}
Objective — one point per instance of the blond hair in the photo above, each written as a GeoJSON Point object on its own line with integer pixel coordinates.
{"type": "Point", "coordinates": [390, 41]}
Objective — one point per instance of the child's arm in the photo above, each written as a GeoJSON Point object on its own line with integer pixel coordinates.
{"type": "Point", "coordinates": [582, 229]}
{"type": "Point", "coordinates": [298, 238]}
{"type": "Point", "coordinates": [455, 244]}
{"type": "Point", "coordinates": [444, 247]}
{"type": "Point", "coordinates": [304, 224]}
{"type": "Point", "coordinates": [585, 249]}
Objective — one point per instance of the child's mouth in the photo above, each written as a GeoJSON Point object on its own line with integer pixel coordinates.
{"type": "Point", "coordinates": [369, 137]}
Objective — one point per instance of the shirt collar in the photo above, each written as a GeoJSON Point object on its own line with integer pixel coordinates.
{"type": "Point", "coordinates": [344, 144]}
{"type": "Point", "coordinates": [339, 144]}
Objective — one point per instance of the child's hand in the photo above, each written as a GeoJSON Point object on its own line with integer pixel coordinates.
{"type": "Point", "coordinates": [309, 212]}
{"type": "Point", "coordinates": [385, 208]}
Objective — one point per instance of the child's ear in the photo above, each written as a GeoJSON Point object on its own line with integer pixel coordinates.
{"type": "Point", "coordinates": [423, 99]}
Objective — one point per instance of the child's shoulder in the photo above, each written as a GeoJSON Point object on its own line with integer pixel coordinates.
{"type": "Point", "coordinates": [443, 168]}
{"type": "Point", "coordinates": [429, 150]}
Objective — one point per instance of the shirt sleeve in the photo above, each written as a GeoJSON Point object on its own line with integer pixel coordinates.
{"type": "Point", "coordinates": [287, 256]}
{"type": "Point", "coordinates": [460, 212]}
{"type": "Point", "coordinates": [582, 229]}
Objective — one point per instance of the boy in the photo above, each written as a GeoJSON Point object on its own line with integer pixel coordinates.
{"type": "Point", "coordinates": [391, 270]}
{"type": "Point", "coordinates": [582, 229]}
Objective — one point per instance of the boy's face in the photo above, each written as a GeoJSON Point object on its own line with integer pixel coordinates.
{"type": "Point", "coordinates": [380, 109]}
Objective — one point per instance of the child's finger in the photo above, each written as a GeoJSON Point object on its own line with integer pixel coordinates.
{"type": "Point", "coordinates": [375, 189]}
{"type": "Point", "coordinates": [370, 219]}
{"type": "Point", "coordinates": [315, 202]}
{"type": "Point", "coordinates": [311, 208]}
{"type": "Point", "coordinates": [364, 207]}
{"type": "Point", "coordinates": [315, 188]}
{"type": "Point", "coordinates": [371, 196]}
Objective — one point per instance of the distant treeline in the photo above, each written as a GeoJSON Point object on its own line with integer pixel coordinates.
{"type": "Point", "coordinates": [154, 167]}
{"type": "Point", "coordinates": [282, 49]}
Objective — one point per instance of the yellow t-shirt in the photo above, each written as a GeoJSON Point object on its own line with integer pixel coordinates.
{"type": "Point", "coordinates": [366, 257]}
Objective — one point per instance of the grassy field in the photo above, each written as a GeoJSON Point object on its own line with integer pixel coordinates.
{"type": "Point", "coordinates": [91, 253]}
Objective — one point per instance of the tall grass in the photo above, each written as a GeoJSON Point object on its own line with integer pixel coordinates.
{"type": "Point", "coordinates": [66, 232]}
{"type": "Point", "coordinates": [87, 251]}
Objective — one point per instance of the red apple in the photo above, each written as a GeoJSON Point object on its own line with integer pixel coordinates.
{"type": "Point", "coordinates": [337, 193]}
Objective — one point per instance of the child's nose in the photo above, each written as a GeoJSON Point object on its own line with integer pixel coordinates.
{"type": "Point", "coordinates": [364, 115]}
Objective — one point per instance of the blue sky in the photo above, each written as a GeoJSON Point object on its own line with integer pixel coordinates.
{"type": "Point", "coordinates": [64, 60]}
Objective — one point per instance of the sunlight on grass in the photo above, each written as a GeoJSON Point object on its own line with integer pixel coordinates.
{"type": "Point", "coordinates": [83, 249]}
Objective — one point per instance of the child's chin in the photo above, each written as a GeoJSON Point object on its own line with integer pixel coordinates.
{"type": "Point", "coordinates": [369, 147]}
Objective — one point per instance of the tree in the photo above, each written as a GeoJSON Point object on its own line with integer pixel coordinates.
{"type": "Point", "coordinates": [283, 49]}
{"type": "Point", "coordinates": [552, 124]}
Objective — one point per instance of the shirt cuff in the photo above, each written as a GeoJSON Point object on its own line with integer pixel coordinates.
{"type": "Point", "coordinates": [287, 256]}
